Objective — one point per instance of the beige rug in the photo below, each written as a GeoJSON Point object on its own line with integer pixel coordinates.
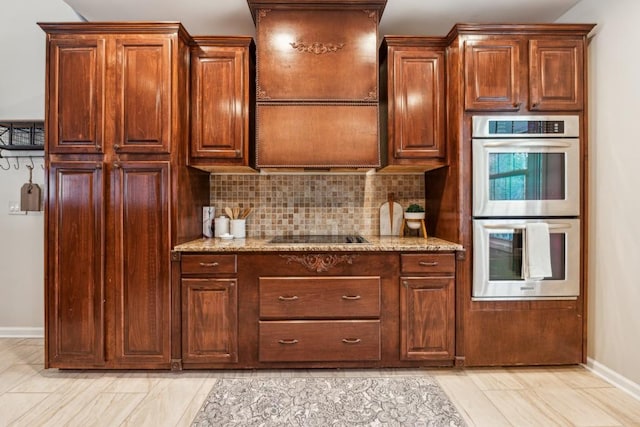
{"type": "Point", "coordinates": [331, 401]}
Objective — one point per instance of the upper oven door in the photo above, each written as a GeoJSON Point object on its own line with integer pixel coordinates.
{"type": "Point", "coordinates": [526, 177]}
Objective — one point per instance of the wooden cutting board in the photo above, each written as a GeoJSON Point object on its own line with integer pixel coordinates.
{"type": "Point", "coordinates": [390, 217]}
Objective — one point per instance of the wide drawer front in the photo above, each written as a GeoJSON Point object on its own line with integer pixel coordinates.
{"type": "Point", "coordinates": [428, 263]}
{"type": "Point", "coordinates": [319, 297]}
{"type": "Point", "coordinates": [319, 341]}
{"type": "Point", "coordinates": [209, 264]}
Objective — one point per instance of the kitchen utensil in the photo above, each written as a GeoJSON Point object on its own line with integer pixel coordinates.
{"type": "Point", "coordinates": [236, 213]}
{"type": "Point", "coordinates": [245, 213]}
{"type": "Point", "coordinates": [229, 212]}
{"type": "Point", "coordinates": [390, 217]}
{"type": "Point", "coordinates": [30, 194]}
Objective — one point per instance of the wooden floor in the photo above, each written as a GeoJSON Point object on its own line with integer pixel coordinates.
{"type": "Point", "coordinates": [32, 396]}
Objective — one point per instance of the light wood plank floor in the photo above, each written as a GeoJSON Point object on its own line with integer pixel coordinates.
{"type": "Point", "coordinates": [33, 396]}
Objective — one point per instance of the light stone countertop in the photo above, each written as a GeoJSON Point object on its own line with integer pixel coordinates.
{"type": "Point", "coordinates": [376, 244]}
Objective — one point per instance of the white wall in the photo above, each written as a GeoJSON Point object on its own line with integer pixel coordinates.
{"type": "Point", "coordinates": [614, 205]}
{"type": "Point", "coordinates": [22, 44]}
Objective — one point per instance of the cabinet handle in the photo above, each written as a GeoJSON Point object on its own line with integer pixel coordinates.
{"type": "Point", "coordinates": [209, 264]}
{"type": "Point", "coordinates": [288, 342]}
{"type": "Point", "coordinates": [351, 340]}
{"type": "Point", "coordinates": [116, 165]}
{"type": "Point", "coordinates": [238, 153]}
{"type": "Point", "coordinates": [428, 264]}
{"type": "Point", "coordinates": [351, 297]}
{"type": "Point", "coordinates": [291, 298]}
{"type": "Point", "coordinates": [405, 283]}
{"type": "Point", "coordinates": [116, 147]}
{"type": "Point", "coordinates": [534, 105]}
{"type": "Point", "coordinates": [517, 105]}
{"type": "Point", "coordinates": [98, 165]}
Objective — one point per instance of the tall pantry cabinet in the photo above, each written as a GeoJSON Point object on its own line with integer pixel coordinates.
{"type": "Point", "coordinates": [117, 126]}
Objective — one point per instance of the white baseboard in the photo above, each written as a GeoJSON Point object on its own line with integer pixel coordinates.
{"type": "Point", "coordinates": [614, 378]}
{"type": "Point", "coordinates": [18, 332]}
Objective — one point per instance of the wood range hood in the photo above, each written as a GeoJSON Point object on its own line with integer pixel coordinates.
{"type": "Point", "coordinates": [317, 89]}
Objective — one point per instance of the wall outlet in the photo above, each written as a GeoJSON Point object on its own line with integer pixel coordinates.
{"type": "Point", "coordinates": [14, 208]}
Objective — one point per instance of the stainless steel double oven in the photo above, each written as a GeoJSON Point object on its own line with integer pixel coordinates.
{"type": "Point", "coordinates": [526, 169]}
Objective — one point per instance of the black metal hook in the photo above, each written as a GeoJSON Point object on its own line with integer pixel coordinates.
{"type": "Point", "coordinates": [17, 165]}
{"type": "Point", "coordinates": [8, 164]}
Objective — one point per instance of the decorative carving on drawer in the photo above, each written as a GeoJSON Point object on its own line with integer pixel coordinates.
{"type": "Point", "coordinates": [319, 262]}
{"type": "Point", "coordinates": [317, 47]}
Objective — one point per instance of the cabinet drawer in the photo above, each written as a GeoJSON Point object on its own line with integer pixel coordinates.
{"type": "Point", "coordinates": [319, 297]}
{"type": "Point", "coordinates": [209, 264]}
{"type": "Point", "coordinates": [428, 263]}
{"type": "Point", "coordinates": [319, 341]}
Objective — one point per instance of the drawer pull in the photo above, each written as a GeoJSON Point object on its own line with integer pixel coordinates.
{"type": "Point", "coordinates": [288, 342]}
{"type": "Point", "coordinates": [291, 298]}
{"type": "Point", "coordinates": [351, 340]}
{"type": "Point", "coordinates": [209, 264]}
{"type": "Point", "coordinates": [351, 297]}
{"type": "Point", "coordinates": [428, 264]}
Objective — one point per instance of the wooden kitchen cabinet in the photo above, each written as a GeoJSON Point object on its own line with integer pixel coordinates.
{"type": "Point", "coordinates": [519, 73]}
{"type": "Point", "coordinates": [222, 97]}
{"type": "Point", "coordinates": [117, 107]}
{"type": "Point", "coordinates": [413, 83]}
{"type": "Point", "coordinates": [209, 320]}
{"type": "Point", "coordinates": [209, 311]}
{"type": "Point", "coordinates": [266, 310]}
{"type": "Point", "coordinates": [427, 306]}
{"type": "Point", "coordinates": [75, 245]}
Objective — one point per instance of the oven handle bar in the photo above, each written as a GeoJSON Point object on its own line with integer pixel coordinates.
{"type": "Point", "coordinates": [555, 226]}
{"type": "Point", "coordinates": [528, 143]}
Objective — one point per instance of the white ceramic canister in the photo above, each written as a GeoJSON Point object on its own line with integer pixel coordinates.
{"type": "Point", "coordinates": [239, 228]}
{"type": "Point", "coordinates": [221, 226]}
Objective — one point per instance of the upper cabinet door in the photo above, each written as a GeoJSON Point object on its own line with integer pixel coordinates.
{"type": "Point", "coordinates": [317, 55]}
{"type": "Point", "coordinates": [417, 104]}
{"type": "Point", "coordinates": [76, 79]}
{"type": "Point", "coordinates": [491, 75]}
{"type": "Point", "coordinates": [219, 103]}
{"type": "Point", "coordinates": [556, 75]}
{"type": "Point", "coordinates": [143, 94]}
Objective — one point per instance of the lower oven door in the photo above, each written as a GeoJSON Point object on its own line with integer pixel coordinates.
{"type": "Point", "coordinates": [497, 260]}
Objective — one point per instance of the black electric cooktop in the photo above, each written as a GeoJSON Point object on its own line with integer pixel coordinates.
{"type": "Point", "coordinates": [320, 238]}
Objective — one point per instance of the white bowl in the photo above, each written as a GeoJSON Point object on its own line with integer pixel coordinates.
{"type": "Point", "coordinates": [226, 236]}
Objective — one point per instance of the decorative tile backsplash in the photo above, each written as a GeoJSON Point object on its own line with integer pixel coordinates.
{"type": "Point", "coordinates": [313, 204]}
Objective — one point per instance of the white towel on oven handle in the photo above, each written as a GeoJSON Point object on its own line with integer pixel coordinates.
{"type": "Point", "coordinates": [536, 251]}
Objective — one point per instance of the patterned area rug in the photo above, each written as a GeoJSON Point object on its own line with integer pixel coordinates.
{"type": "Point", "coordinates": [333, 401]}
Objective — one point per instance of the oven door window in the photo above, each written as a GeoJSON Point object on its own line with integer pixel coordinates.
{"type": "Point", "coordinates": [527, 176]}
{"type": "Point", "coordinates": [505, 256]}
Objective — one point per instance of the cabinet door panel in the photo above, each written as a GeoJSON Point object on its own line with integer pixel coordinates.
{"type": "Point", "coordinates": [427, 318]}
{"type": "Point", "coordinates": [314, 135]}
{"type": "Point", "coordinates": [210, 320]}
{"type": "Point", "coordinates": [317, 55]}
{"type": "Point", "coordinates": [75, 270]}
{"type": "Point", "coordinates": [556, 75]}
{"type": "Point", "coordinates": [418, 104]}
{"type": "Point", "coordinates": [491, 75]}
{"type": "Point", "coordinates": [219, 102]}
{"type": "Point", "coordinates": [143, 95]}
{"type": "Point", "coordinates": [141, 237]}
{"type": "Point", "coordinates": [76, 85]}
